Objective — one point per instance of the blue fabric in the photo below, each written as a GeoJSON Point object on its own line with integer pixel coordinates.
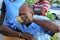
{"type": "Point", "coordinates": [44, 18]}
{"type": "Point", "coordinates": [12, 9]}
{"type": "Point", "coordinates": [41, 17]}
{"type": "Point", "coordinates": [36, 30]}
{"type": "Point", "coordinates": [10, 20]}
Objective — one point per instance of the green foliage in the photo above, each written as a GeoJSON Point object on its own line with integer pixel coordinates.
{"type": "Point", "coordinates": [51, 1]}
{"type": "Point", "coordinates": [56, 36]}
{"type": "Point", "coordinates": [51, 16]}
{"type": "Point", "coordinates": [30, 2]}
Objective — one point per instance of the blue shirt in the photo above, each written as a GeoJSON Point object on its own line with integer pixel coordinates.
{"type": "Point", "coordinates": [12, 9]}
{"type": "Point", "coordinates": [10, 21]}
{"type": "Point", "coordinates": [36, 30]}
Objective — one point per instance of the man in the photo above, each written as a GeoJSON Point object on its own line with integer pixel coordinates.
{"type": "Point", "coordinates": [35, 25]}
{"type": "Point", "coordinates": [12, 7]}
{"type": "Point", "coordinates": [41, 7]}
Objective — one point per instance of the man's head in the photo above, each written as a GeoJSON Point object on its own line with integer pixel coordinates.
{"type": "Point", "coordinates": [26, 13]}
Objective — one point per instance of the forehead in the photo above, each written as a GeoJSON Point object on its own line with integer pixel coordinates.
{"type": "Point", "coordinates": [24, 10]}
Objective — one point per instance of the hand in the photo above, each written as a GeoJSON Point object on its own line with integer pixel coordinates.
{"type": "Point", "coordinates": [19, 19]}
{"type": "Point", "coordinates": [32, 38]}
{"type": "Point", "coordinates": [27, 36]}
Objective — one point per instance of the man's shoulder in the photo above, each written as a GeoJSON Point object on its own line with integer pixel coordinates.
{"type": "Point", "coordinates": [41, 17]}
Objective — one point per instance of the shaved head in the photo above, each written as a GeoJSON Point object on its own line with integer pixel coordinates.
{"type": "Point", "coordinates": [25, 7]}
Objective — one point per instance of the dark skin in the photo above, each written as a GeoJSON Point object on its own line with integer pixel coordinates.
{"type": "Point", "coordinates": [48, 25]}
{"type": "Point", "coordinates": [27, 15]}
{"type": "Point", "coordinates": [12, 33]}
{"type": "Point", "coordinates": [7, 31]}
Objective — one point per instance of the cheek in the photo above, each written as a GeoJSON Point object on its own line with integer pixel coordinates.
{"type": "Point", "coordinates": [29, 15]}
{"type": "Point", "coordinates": [23, 17]}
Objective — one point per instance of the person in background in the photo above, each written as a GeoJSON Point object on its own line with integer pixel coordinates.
{"type": "Point", "coordinates": [41, 7]}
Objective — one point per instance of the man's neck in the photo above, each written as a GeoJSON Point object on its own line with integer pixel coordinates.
{"type": "Point", "coordinates": [28, 24]}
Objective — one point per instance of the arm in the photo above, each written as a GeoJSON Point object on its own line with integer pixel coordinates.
{"type": "Point", "coordinates": [48, 25]}
{"type": "Point", "coordinates": [9, 32]}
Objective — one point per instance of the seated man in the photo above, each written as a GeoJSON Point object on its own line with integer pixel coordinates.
{"type": "Point", "coordinates": [34, 24]}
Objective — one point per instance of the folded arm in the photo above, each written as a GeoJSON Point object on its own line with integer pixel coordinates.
{"type": "Point", "coordinates": [8, 32]}
{"type": "Point", "coordinates": [12, 33]}
{"type": "Point", "coordinates": [48, 25]}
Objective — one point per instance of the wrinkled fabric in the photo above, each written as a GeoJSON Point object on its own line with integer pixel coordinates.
{"type": "Point", "coordinates": [12, 9]}
{"type": "Point", "coordinates": [36, 30]}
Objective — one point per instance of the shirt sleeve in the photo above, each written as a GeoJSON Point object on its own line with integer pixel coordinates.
{"type": "Point", "coordinates": [41, 17]}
